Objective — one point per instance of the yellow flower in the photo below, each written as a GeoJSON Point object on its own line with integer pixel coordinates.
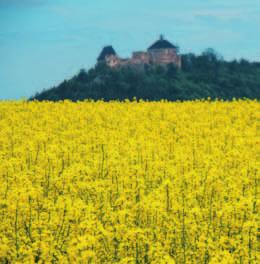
{"type": "Point", "coordinates": [128, 182]}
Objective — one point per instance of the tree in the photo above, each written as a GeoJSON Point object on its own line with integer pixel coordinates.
{"type": "Point", "coordinates": [202, 76]}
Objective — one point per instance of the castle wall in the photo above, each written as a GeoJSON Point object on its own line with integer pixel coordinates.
{"type": "Point", "coordinates": [140, 57]}
{"type": "Point", "coordinates": [112, 61]}
{"type": "Point", "coordinates": [124, 62]}
{"type": "Point", "coordinates": [154, 56]}
{"type": "Point", "coordinates": [165, 56]}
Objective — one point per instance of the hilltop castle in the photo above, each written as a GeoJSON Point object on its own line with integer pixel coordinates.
{"type": "Point", "coordinates": [162, 52]}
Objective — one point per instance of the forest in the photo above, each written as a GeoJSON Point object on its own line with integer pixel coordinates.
{"type": "Point", "coordinates": [201, 76]}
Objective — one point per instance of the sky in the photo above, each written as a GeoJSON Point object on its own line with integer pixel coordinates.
{"type": "Point", "coordinates": [43, 42]}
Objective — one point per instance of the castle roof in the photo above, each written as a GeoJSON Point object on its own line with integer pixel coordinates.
{"type": "Point", "coordinates": [162, 44]}
{"type": "Point", "coordinates": [107, 51]}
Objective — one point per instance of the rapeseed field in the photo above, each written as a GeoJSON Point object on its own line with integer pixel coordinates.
{"type": "Point", "coordinates": [129, 182]}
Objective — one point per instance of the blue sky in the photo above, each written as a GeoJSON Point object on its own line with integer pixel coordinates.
{"type": "Point", "coordinates": [43, 42]}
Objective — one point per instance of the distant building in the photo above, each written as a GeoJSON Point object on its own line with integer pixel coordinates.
{"type": "Point", "coordinates": [109, 56]}
{"type": "Point", "coordinates": [162, 52]}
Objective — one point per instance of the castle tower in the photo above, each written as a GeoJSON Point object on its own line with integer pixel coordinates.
{"type": "Point", "coordinates": [108, 56]}
{"type": "Point", "coordinates": [164, 52]}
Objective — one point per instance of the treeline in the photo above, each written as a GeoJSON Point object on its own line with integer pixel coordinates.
{"type": "Point", "coordinates": [202, 76]}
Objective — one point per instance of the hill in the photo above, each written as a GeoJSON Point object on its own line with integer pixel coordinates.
{"type": "Point", "coordinates": [201, 76]}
